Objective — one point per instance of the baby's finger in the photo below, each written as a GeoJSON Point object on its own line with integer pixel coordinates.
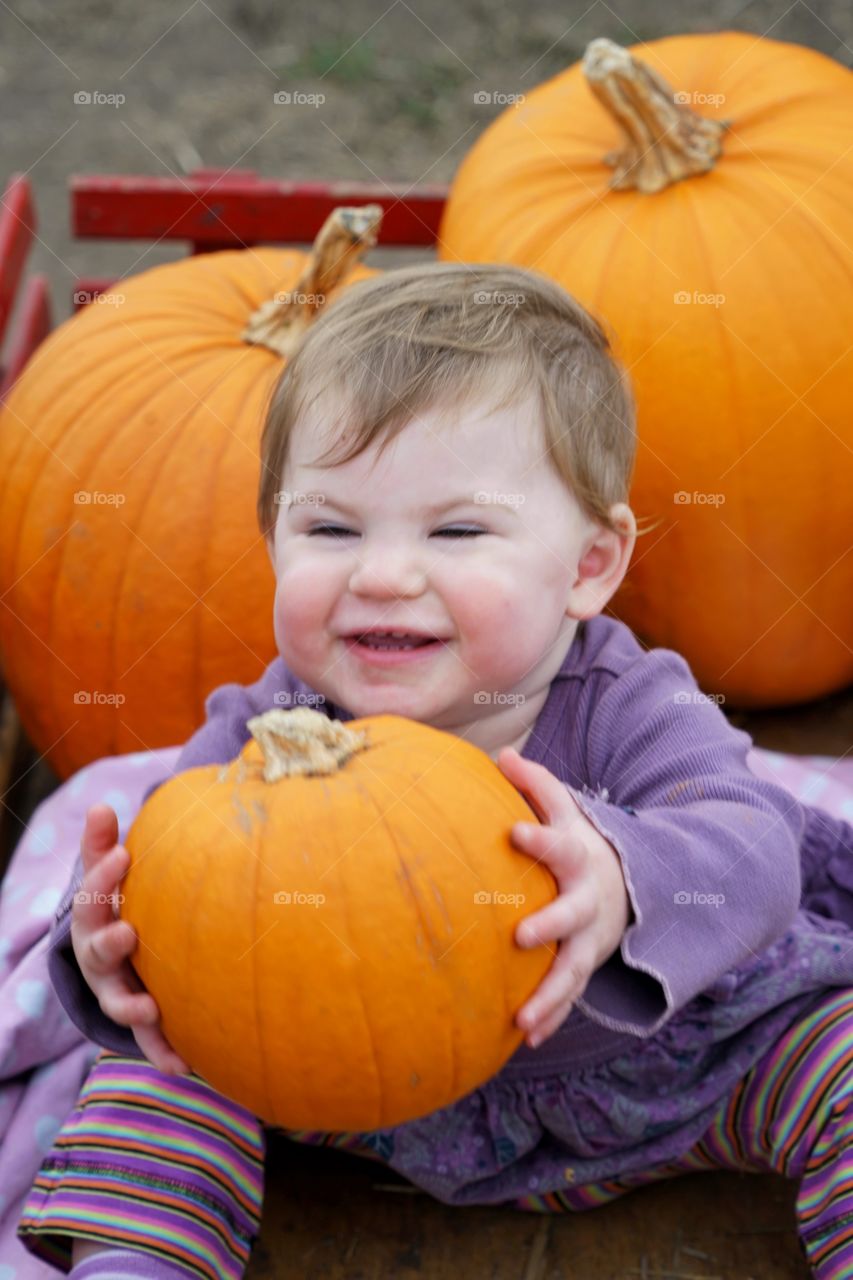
{"type": "Point", "coordinates": [547, 1026]}
{"type": "Point", "coordinates": [94, 900]}
{"type": "Point", "coordinates": [100, 833]}
{"type": "Point", "coordinates": [126, 1006]}
{"type": "Point", "coordinates": [564, 916]}
{"type": "Point", "coordinates": [159, 1052]}
{"type": "Point", "coordinates": [544, 792]}
{"type": "Point", "coordinates": [110, 945]}
{"type": "Point", "coordinates": [562, 853]}
{"type": "Point", "coordinates": [565, 980]}
{"type": "Point", "coordinates": [105, 874]}
{"type": "Point", "coordinates": [523, 776]}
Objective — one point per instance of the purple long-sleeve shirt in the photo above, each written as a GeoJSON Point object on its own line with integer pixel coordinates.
{"type": "Point", "coordinates": [710, 853]}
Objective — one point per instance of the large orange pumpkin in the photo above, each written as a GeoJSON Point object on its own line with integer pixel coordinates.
{"type": "Point", "coordinates": [130, 557]}
{"type": "Point", "coordinates": [327, 924]}
{"type": "Point", "coordinates": [717, 256]}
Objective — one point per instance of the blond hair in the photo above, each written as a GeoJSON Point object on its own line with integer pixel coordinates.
{"type": "Point", "coordinates": [445, 335]}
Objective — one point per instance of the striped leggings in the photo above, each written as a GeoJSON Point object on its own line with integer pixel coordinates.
{"type": "Point", "coordinates": [165, 1165]}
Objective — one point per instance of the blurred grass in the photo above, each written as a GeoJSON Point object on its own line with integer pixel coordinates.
{"type": "Point", "coordinates": [415, 88]}
{"type": "Point", "coordinates": [346, 60]}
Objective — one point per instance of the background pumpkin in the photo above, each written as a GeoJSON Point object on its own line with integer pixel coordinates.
{"type": "Point", "coordinates": [130, 557]}
{"type": "Point", "coordinates": [720, 265]}
{"type": "Point", "coordinates": [392, 995]}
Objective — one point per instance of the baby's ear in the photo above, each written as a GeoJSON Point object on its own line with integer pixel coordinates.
{"type": "Point", "coordinates": [603, 564]}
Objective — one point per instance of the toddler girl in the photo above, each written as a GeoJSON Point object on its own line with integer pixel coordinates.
{"type": "Point", "coordinates": [444, 473]}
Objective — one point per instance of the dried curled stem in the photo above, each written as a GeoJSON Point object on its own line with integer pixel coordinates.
{"type": "Point", "coordinates": [341, 242]}
{"type": "Point", "coordinates": [303, 741]}
{"type": "Point", "coordinates": [665, 140]}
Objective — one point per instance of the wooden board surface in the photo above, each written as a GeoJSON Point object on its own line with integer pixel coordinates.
{"type": "Point", "coordinates": [333, 1216]}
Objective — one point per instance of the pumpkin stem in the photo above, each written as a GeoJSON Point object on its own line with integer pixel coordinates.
{"type": "Point", "coordinates": [665, 139]}
{"type": "Point", "coordinates": [344, 237]}
{"type": "Point", "coordinates": [303, 741]}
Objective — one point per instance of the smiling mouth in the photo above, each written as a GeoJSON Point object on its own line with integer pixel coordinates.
{"type": "Point", "coordinates": [391, 640]}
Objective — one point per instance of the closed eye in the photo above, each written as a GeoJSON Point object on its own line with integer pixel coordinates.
{"type": "Point", "coordinates": [337, 530]}
{"type": "Point", "coordinates": [333, 529]}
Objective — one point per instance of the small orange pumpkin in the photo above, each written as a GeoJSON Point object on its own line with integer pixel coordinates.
{"type": "Point", "coordinates": [695, 193]}
{"type": "Point", "coordinates": [327, 923]}
{"type": "Point", "coordinates": [130, 557]}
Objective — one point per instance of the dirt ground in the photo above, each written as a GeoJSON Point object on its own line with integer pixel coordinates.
{"type": "Point", "coordinates": [198, 81]}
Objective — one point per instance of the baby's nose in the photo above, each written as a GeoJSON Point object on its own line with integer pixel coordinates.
{"type": "Point", "coordinates": [388, 571]}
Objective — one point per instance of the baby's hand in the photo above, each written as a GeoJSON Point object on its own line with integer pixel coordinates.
{"type": "Point", "coordinates": [102, 943]}
{"type": "Point", "coordinates": [592, 910]}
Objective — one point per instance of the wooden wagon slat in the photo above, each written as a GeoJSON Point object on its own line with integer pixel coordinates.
{"type": "Point", "coordinates": [33, 324]}
{"type": "Point", "coordinates": [17, 227]}
{"type": "Point", "coordinates": [243, 209]}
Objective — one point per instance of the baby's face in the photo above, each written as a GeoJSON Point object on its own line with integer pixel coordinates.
{"type": "Point", "coordinates": [487, 580]}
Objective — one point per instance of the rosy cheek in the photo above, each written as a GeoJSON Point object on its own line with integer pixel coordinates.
{"type": "Point", "coordinates": [489, 604]}
{"type": "Point", "coordinates": [304, 595]}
